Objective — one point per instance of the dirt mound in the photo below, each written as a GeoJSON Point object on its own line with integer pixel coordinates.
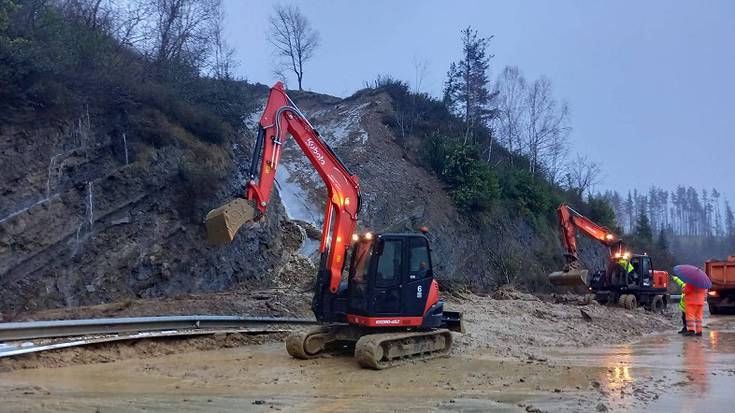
{"type": "Point", "coordinates": [298, 274]}
{"type": "Point", "coordinates": [139, 349]}
{"type": "Point", "coordinates": [525, 325]}
{"type": "Point", "coordinates": [515, 325]}
{"type": "Point", "coordinates": [511, 294]}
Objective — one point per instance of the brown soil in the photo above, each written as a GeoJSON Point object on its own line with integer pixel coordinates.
{"type": "Point", "coordinates": [524, 325]}
{"type": "Point", "coordinates": [509, 324]}
{"type": "Point", "coordinates": [137, 349]}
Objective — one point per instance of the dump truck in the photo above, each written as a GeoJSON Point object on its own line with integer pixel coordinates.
{"type": "Point", "coordinates": [722, 294]}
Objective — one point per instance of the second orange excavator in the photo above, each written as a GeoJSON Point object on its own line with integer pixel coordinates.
{"type": "Point", "coordinates": [628, 279]}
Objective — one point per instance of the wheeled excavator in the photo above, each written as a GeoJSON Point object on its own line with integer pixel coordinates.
{"type": "Point", "coordinates": [628, 279]}
{"type": "Point", "coordinates": [388, 304]}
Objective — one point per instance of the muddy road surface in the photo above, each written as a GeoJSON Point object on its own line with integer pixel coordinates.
{"type": "Point", "coordinates": [655, 372]}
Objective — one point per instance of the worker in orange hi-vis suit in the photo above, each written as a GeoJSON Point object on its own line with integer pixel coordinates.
{"type": "Point", "coordinates": [694, 300]}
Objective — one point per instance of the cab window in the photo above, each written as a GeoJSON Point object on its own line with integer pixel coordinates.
{"type": "Point", "coordinates": [389, 263]}
{"type": "Point", "coordinates": [418, 258]}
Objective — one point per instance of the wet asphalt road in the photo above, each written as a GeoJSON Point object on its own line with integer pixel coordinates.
{"type": "Point", "coordinates": [672, 373]}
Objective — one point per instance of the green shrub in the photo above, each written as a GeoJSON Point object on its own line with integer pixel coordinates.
{"type": "Point", "coordinates": [601, 212]}
{"type": "Point", "coordinates": [472, 184]}
{"type": "Point", "coordinates": [526, 193]}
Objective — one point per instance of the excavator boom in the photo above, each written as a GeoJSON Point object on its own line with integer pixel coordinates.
{"type": "Point", "coordinates": [569, 221]}
{"type": "Point", "coordinates": [282, 118]}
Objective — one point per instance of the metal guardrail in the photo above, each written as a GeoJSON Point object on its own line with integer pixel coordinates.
{"type": "Point", "coordinates": [68, 328]}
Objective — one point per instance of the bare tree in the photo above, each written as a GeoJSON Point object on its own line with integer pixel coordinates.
{"type": "Point", "coordinates": [182, 31]}
{"type": "Point", "coordinates": [582, 175]}
{"type": "Point", "coordinates": [129, 22]}
{"type": "Point", "coordinates": [547, 127]}
{"type": "Point", "coordinates": [95, 14]}
{"type": "Point", "coordinates": [420, 68]}
{"type": "Point", "coordinates": [223, 61]}
{"type": "Point", "coordinates": [280, 73]}
{"type": "Point", "coordinates": [511, 89]}
{"type": "Point", "coordinates": [293, 37]}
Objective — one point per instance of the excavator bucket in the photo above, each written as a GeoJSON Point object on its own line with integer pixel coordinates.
{"type": "Point", "coordinates": [222, 223]}
{"type": "Point", "coordinates": [569, 278]}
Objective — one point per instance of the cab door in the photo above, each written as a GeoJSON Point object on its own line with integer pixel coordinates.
{"type": "Point", "coordinates": [418, 277]}
{"type": "Point", "coordinates": [646, 271]}
{"type": "Point", "coordinates": [387, 281]}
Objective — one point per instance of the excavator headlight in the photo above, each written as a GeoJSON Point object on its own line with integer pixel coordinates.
{"type": "Point", "coordinates": [626, 255]}
{"type": "Point", "coordinates": [609, 237]}
{"type": "Point", "coordinates": [368, 236]}
{"type": "Point", "coordinates": [355, 237]}
{"type": "Point", "coordinates": [617, 255]}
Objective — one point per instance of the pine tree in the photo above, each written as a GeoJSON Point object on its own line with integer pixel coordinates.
{"type": "Point", "coordinates": [729, 220]}
{"type": "Point", "coordinates": [643, 229]}
{"type": "Point", "coordinates": [467, 91]}
{"type": "Point", "coordinates": [662, 243]}
{"type": "Point", "coordinates": [629, 212]}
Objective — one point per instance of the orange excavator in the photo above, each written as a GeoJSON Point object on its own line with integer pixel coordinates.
{"type": "Point", "coordinates": [628, 279]}
{"type": "Point", "coordinates": [569, 221]}
{"type": "Point", "coordinates": [388, 304]}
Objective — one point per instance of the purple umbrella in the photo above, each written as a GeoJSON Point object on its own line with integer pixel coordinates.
{"type": "Point", "coordinates": [693, 275]}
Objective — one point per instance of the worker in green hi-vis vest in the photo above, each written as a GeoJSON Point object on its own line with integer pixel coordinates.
{"type": "Point", "coordinates": [681, 284]}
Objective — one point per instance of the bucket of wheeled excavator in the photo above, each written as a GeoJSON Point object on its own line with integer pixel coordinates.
{"type": "Point", "coordinates": [452, 321]}
{"type": "Point", "coordinates": [569, 278]}
{"type": "Point", "coordinates": [224, 222]}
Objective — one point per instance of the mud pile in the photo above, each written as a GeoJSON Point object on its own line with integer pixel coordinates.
{"type": "Point", "coordinates": [517, 325]}
{"type": "Point", "coordinates": [524, 325]}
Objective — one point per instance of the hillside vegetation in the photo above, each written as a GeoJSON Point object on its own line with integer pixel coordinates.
{"type": "Point", "coordinates": [109, 159]}
{"type": "Point", "coordinates": [113, 151]}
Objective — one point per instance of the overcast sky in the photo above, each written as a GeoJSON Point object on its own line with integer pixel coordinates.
{"type": "Point", "coordinates": [650, 83]}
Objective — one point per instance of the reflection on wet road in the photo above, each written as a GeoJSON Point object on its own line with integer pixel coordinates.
{"type": "Point", "coordinates": [667, 372]}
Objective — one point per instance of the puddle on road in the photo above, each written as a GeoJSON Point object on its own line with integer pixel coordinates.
{"type": "Point", "coordinates": [669, 372]}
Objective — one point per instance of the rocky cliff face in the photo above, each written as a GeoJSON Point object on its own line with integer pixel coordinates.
{"type": "Point", "coordinates": [87, 217]}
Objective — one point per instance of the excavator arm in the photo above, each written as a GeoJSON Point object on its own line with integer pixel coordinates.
{"type": "Point", "coordinates": [569, 222]}
{"type": "Point", "coordinates": [281, 119]}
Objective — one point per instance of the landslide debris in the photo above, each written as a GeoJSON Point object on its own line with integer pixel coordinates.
{"type": "Point", "coordinates": [508, 324]}
{"type": "Point", "coordinates": [515, 324]}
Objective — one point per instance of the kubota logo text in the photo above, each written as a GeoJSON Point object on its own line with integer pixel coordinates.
{"type": "Point", "coordinates": [319, 157]}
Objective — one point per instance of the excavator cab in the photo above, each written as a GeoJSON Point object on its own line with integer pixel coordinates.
{"type": "Point", "coordinates": [391, 282]}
